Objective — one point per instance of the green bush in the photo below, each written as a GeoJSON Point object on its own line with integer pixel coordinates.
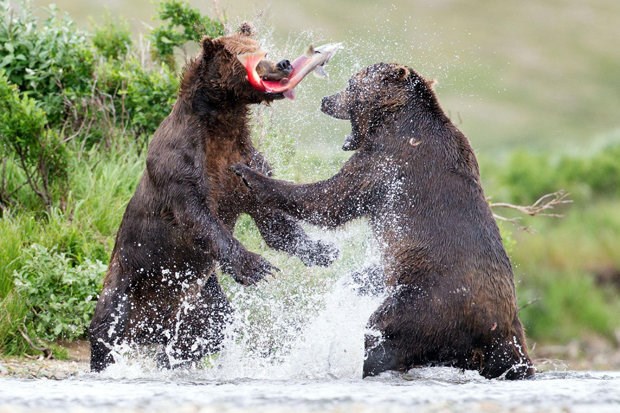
{"type": "Point", "coordinates": [52, 62]}
{"type": "Point", "coordinates": [182, 24]}
{"type": "Point", "coordinates": [562, 311]}
{"type": "Point", "coordinates": [88, 86]}
{"type": "Point", "coordinates": [101, 182]}
{"type": "Point", "coordinates": [528, 176]}
{"type": "Point", "coordinates": [140, 98]}
{"type": "Point", "coordinates": [602, 172]}
{"type": "Point", "coordinates": [113, 39]}
{"type": "Point", "coordinates": [54, 87]}
{"type": "Point", "coordinates": [24, 138]}
{"type": "Point", "coordinates": [60, 297]}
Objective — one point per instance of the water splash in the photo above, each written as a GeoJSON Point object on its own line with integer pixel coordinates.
{"type": "Point", "coordinates": [306, 324]}
{"type": "Point", "coordinates": [328, 345]}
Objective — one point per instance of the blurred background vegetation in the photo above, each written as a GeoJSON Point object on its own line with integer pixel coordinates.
{"type": "Point", "coordinates": [534, 85]}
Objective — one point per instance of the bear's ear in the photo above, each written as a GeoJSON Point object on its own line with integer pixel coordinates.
{"type": "Point", "coordinates": [207, 45]}
{"type": "Point", "coordinates": [431, 83]}
{"type": "Point", "coordinates": [246, 29]}
{"type": "Point", "coordinates": [400, 73]}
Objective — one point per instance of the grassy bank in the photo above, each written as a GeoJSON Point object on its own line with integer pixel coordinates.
{"type": "Point", "coordinates": [61, 209]}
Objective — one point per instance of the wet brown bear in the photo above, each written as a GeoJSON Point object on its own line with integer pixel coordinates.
{"type": "Point", "coordinates": [161, 287]}
{"type": "Point", "coordinates": [451, 296]}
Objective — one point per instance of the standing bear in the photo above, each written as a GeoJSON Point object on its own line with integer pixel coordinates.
{"type": "Point", "coordinates": [451, 295]}
{"type": "Point", "coordinates": [161, 287]}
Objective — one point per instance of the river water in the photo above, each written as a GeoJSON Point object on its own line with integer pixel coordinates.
{"type": "Point", "coordinates": [422, 390]}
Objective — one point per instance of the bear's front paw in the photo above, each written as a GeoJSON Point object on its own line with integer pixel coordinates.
{"type": "Point", "coordinates": [248, 268]}
{"type": "Point", "coordinates": [242, 171]}
{"type": "Point", "coordinates": [319, 253]}
{"type": "Point", "coordinates": [257, 183]}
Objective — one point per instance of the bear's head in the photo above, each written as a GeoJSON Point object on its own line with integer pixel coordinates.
{"type": "Point", "coordinates": [373, 95]}
{"type": "Point", "coordinates": [217, 75]}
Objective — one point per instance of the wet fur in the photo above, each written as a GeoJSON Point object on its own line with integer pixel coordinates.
{"type": "Point", "coordinates": [414, 175]}
{"type": "Point", "coordinates": [161, 286]}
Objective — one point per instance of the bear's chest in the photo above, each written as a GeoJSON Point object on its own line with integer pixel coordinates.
{"type": "Point", "coordinates": [226, 190]}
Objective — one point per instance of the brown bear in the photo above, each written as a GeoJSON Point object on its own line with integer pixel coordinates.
{"type": "Point", "coordinates": [451, 295]}
{"type": "Point", "coordinates": [161, 287]}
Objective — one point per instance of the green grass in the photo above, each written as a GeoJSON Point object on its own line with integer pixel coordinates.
{"type": "Point", "coordinates": [555, 265]}
{"type": "Point", "coordinates": [101, 185]}
{"type": "Point", "coordinates": [101, 181]}
{"type": "Point", "coordinates": [586, 238]}
{"type": "Point", "coordinates": [13, 310]}
{"type": "Point", "coordinates": [560, 306]}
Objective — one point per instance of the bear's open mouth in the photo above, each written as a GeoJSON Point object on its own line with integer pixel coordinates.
{"type": "Point", "coordinates": [313, 60]}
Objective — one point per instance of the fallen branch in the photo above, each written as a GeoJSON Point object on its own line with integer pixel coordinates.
{"type": "Point", "coordinates": [47, 352]}
{"type": "Point", "coordinates": [541, 207]}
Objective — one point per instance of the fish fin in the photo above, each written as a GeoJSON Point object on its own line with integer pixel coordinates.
{"type": "Point", "coordinates": [320, 72]}
{"type": "Point", "coordinates": [251, 60]}
{"type": "Point", "coordinates": [243, 58]}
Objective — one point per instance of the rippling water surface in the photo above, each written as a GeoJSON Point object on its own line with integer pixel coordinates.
{"type": "Point", "coordinates": [426, 390]}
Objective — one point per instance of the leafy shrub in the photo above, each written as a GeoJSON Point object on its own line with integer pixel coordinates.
{"type": "Point", "coordinates": [52, 64]}
{"type": "Point", "coordinates": [39, 152]}
{"type": "Point", "coordinates": [529, 176]}
{"type": "Point", "coordinates": [182, 24]}
{"type": "Point", "coordinates": [61, 298]}
{"type": "Point", "coordinates": [563, 311]}
{"type": "Point", "coordinates": [602, 171]}
{"type": "Point", "coordinates": [113, 39]}
{"type": "Point", "coordinates": [21, 120]}
{"type": "Point", "coordinates": [139, 97]}
{"type": "Point", "coordinates": [56, 65]}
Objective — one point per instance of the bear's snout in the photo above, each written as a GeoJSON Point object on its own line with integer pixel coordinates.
{"type": "Point", "coordinates": [285, 67]}
{"type": "Point", "coordinates": [268, 70]}
{"type": "Point", "coordinates": [335, 106]}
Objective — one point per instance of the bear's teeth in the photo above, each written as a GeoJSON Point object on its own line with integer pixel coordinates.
{"type": "Point", "coordinates": [414, 142]}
